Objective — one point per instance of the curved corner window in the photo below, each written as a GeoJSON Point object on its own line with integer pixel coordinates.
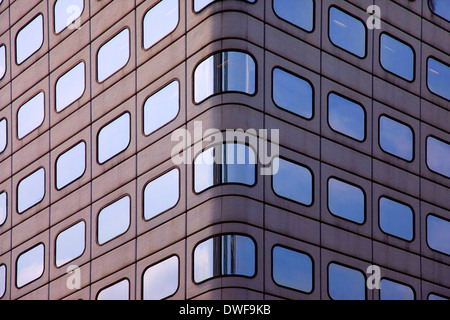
{"type": "Point", "coordinates": [161, 194]}
{"type": "Point", "coordinates": [30, 39]}
{"type": "Point", "coordinates": [117, 291]}
{"type": "Point", "coordinates": [2, 61]}
{"type": "Point", "coordinates": [298, 12]}
{"type": "Point", "coordinates": [438, 234]}
{"type": "Point", "coordinates": [3, 134]}
{"type": "Point", "coordinates": [438, 155]}
{"type": "Point", "coordinates": [31, 190]}
{"type": "Point", "coordinates": [160, 21]}
{"type": "Point", "coordinates": [113, 55]}
{"type": "Point", "coordinates": [438, 77]}
{"type": "Point", "coordinates": [30, 115]}
{"type": "Point", "coordinates": [347, 32]}
{"type": "Point", "coordinates": [396, 138]}
{"type": "Point", "coordinates": [346, 201]}
{"type": "Point", "coordinates": [70, 86]}
{"type": "Point", "coordinates": [292, 93]}
{"type": "Point", "coordinates": [396, 219]}
{"type": "Point", "coordinates": [397, 57]}
{"type": "Point", "coordinates": [66, 12]}
{"type": "Point", "coordinates": [114, 220]}
{"type": "Point", "coordinates": [392, 290]}
{"type": "Point", "coordinates": [227, 71]}
{"type": "Point", "coordinates": [200, 4]}
{"type": "Point", "coordinates": [346, 117]}
{"type": "Point", "coordinates": [437, 297]}
{"type": "Point", "coordinates": [3, 207]}
{"type": "Point", "coordinates": [114, 138]}
{"type": "Point", "coordinates": [161, 280]}
{"type": "Point", "coordinates": [345, 283]}
{"type": "Point", "coordinates": [226, 255]}
{"type": "Point", "coordinates": [225, 163]}
{"type": "Point", "coordinates": [71, 165]}
{"type": "Point", "coordinates": [70, 243]}
{"type": "Point", "coordinates": [292, 269]}
{"type": "Point", "coordinates": [441, 8]}
{"type": "Point", "coordinates": [30, 265]}
{"type": "Point", "coordinates": [2, 280]}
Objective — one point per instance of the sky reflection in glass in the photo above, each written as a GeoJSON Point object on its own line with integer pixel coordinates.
{"type": "Point", "coordinates": [346, 117]}
{"type": "Point", "coordinates": [2, 280]}
{"type": "Point", "coordinates": [346, 201]}
{"type": "Point", "coordinates": [66, 12]}
{"type": "Point", "coordinates": [2, 61]}
{"type": "Point", "coordinates": [161, 280]}
{"type": "Point", "coordinates": [70, 86]}
{"type": "Point", "coordinates": [114, 138]}
{"type": "Point", "coordinates": [438, 234]}
{"type": "Point", "coordinates": [31, 190]}
{"type": "Point", "coordinates": [441, 8]}
{"type": "Point", "coordinates": [396, 219]}
{"type": "Point", "coordinates": [161, 194]}
{"type": "Point", "coordinates": [30, 265]}
{"type": "Point", "coordinates": [396, 138]}
{"type": "Point", "coordinates": [3, 134]}
{"type": "Point", "coordinates": [3, 207]}
{"type": "Point", "coordinates": [438, 155]}
{"type": "Point", "coordinates": [30, 115]}
{"type": "Point", "coordinates": [159, 21]}
{"type": "Point", "coordinates": [117, 291]}
{"type": "Point", "coordinates": [297, 12]}
{"type": "Point", "coordinates": [71, 165]}
{"type": "Point", "coordinates": [345, 283]}
{"type": "Point", "coordinates": [113, 55]}
{"type": "Point", "coordinates": [114, 220]}
{"type": "Point", "coordinates": [438, 77]}
{"type": "Point", "coordinates": [392, 290]}
{"type": "Point", "coordinates": [29, 39]}
{"type": "Point", "coordinates": [397, 57]}
{"type": "Point", "coordinates": [70, 243]}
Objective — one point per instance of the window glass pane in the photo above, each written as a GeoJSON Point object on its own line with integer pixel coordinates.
{"type": "Point", "coordinates": [346, 283]}
{"type": "Point", "coordinates": [292, 269]}
{"type": "Point", "coordinates": [396, 138]}
{"type": "Point", "coordinates": [161, 280]}
{"type": "Point", "coordinates": [71, 165]}
{"type": "Point", "coordinates": [347, 32]}
{"type": "Point", "coordinates": [30, 265]}
{"type": "Point", "coordinates": [2, 61]}
{"type": "Point", "coordinates": [292, 93]}
{"type": "Point", "coordinates": [113, 55]}
{"type": "Point", "coordinates": [346, 201]}
{"type": "Point", "coordinates": [438, 234]}
{"type": "Point", "coordinates": [200, 4]}
{"type": "Point", "coordinates": [30, 39]}
{"type": "Point", "coordinates": [224, 255]}
{"type": "Point", "coordinates": [396, 219]}
{"type": "Point", "coordinates": [226, 163]}
{"type": "Point", "coordinates": [441, 8]}
{"type": "Point", "coordinates": [117, 291]}
{"type": "Point", "coordinates": [159, 21]}
{"type": "Point", "coordinates": [70, 243]}
{"type": "Point", "coordinates": [70, 86]}
{"type": "Point", "coordinates": [66, 12]}
{"type": "Point", "coordinates": [114, 138]}
{"type": "Point", "coordinates": [438, 77]}
{"type": "Point", "coordinates": [433, 296]}
{"type": "Point", "coordinates": [30, 115]}
{"type": "Point", "coordinates": [298, 12]}
{"type": "Point", "coordinates": [224, 72]}
{"type": "Point", "coordinates": [438, 153]}
{"type": "Point", "coordinates": [346, 117]}
{"type": "Point", "coordinates": [161, 194]}
{"type": "Point", "coordinates": [161, 107]}
{"type": "Point", "coordinates": [114, 220]}
{"type": "Point", "coordinates": [31, 190]}
{"type": "Point", "coordinates": [3, 134]}
{"type": "Point", "coordinates": [294, 182]}
{"type": "Point", "coordinates": [2, 280]}
{"type": "Point", "coordinates": [397, 57]}
{"type": "Point", "coordinates": [391, 290]}
{"type": "Point", "coordinates": [3, 207]}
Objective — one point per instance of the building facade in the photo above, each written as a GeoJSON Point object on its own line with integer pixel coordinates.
{"type": "Point", "coordinates": [118, 179]}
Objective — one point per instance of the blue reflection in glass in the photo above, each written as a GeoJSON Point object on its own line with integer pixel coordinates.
{"type": "Point", "coordinates": [441, 8]}
{"type": "Point", "coordinates": [347, 32]}
{"type": "Point", "coordinates": [438, 155]}
{"type": "Point", "coordinates": [2, 61]}
{"type": "Point", "coordinates": [292, 93]}
{"type": "Point", "coordinates": [30, 265]}
{"type": "Point", "coordinates": [30, 39]}
{"type": "Point", "coordinates": [70, 86]}
{"type": "Point", "coordinates": [293, 181]}
{"type": "Point", "coordinates": [292, 269]}
{"type": "Point", "coordinates": [30, 115]}
{"type": "Point", "coordinates": [346, 117]}
{"type": "Point", "coordinates": [3, 207]}
{"type": "Point", "coordinates": [161, 194]}
{"type": "Point", "coordinates": [113, 55]}
{"type": "Point", "coordinates": [114, 138]}
{"type": "Point", "coordinates": [114, 220]}
{"type": "Point", "coordinates": [298, 12]}
{"type": "Point", "coordinates": [159, 21]}
{"type": "Point", "coordinates": [161, 280]}
{"type": "Point", "coordinates": [397, 57]}
{"type": "Point", "coordinates": [392, 290]}
{"type": "Point", "coordinates": [70, 243]}
{"type": "Point", "coordinates": [117, 291]}
{"type": "Point", "coordinates": [346, 201]}
{"type": "Point", "coordinates": [438, 77]}
{"type": "Point", "coordinates": [396, 219]}
{"type": "Point", "coordinates": [66, 12]}
{"type": "Point", "coordinates": [2, 280]}
{"type": "Point", "coordinates": [3, 134]}
{"type": "Point", "coordinates": [71, 165]}
{"type": "Point", "coordinates": [345, 283]}
{"type": "Point", "coordinates": [31, 190]}
{"type": "Point", "coordinates": [396, 138]}
{"type": "Point", "coordinates": [433, 296]}
{"type": "Point", "coordinates": [438, 234]}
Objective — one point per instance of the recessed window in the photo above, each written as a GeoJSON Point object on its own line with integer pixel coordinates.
{"type": "Point", "coordinates": [293, 181]}
{"type": "Point", "coordinates": [2, 61]}
{"type": "Point", "coordinates": [70, 86]}
{"type": "Point", "coordinates": [228, 71]}
{"type": "Point", "coordinates": [346, 201]}
{"type": "Point", "coordinates": [159, 21]}
{"type": "Point", "coordinates": [438, 77]}
{"type": "Point", "coordinates": [30, 39]}
{"type": "Point", "coordinates": [438, 234]}
{"type": "Point", "coordinates": [200, 4]}
{"type": "Point", "coordinates": [117, 291]}
{"type": "Point", "coordinates": [441, 8]}
{"type": "Point", "coordinates": [71, 165]}
{"type": "Point", "coordinates": [292, 93]}
{"type": "Point", "coordinates": [30, 115]}
{"type": "Point", "coordinates": [396, 219]}
{"type": "Point", "coordinates": [2, 280]}
{"type": "Point", "coordinates": [226, 255]}
{"type": "Point", "coordinates": [346, 117]}
{"type": "Point", "coordinates": [30, 265]}
{"type": "Point", "coordinates": [3, 207]}
{"type": "Point", "coordinates": [297, 12]}
{"type": "Point", "coordinates": [161, 107]}
{"type": "Point", "coordinates": [66, 13]}
{"type": "Point", "coordinates": [161, 194]}
{"type": "Point", "coordinates": [160, 281]}
{"type": "Point", "coordinates": [397, 57]}
{"type": "Point", "coordinates": [31, 190]}
{"type": "Point", "coordinates": [392, 290]}
{"type": "Point", "coordinates": [113, 55]}
{"type": "Point", "coordinates": [3, 134]}
{"type": "Point", "coordinates": [438, 155]}
{"type": "Point", "coordinates": [437, 297]}
{"type": "Point", "coordinates": [226, 163]}
{"type": "Point", "coordinates": [114, 138]}
{"type": "Point", "coordinates": [292, 269]}
{"type": "Point", "coordinates": [396, 138]}
{"type": "Point", "coordinates": [114, 220]}
{"type": "Point", "coordinates": [345, 283]}
{"type": "Point", "coordinates": [70, 243]}
{"type": "Point", "coordinates": [347, 32]}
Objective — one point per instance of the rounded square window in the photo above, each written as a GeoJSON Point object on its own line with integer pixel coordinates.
{"type": "Point", "coordinates": [2, 280]}
{"type": "Point", "coordinates": [345, 283]}
{"type": "Point", "coordinates": [438, 155]}
{"type": "Point", "coordinates": [346, 201]}
{"type": "Point", "coordinates": [30, 265]}
{"type": "Point", "coordinates": [30, 115]}
{"type": "Point", "coordinates": [114, 138]}
{"type": "Point", "coordinates": [441, 8]}
{"type": "Point", "coordinates": [397, 57]}
{"type": "Point", "coordinates": [66, 13]}
{"type": "Point", "coordinates": [438, 234]}
{"type": "Point", "coordinates": [31, 190]}
{"type": "Point", "coordinates": [161, 280]}
{"type": "Point", "coordinates": [298, 12]}
{"type": "Point", "coordinates": [29, 39]}
{"type": "Point", "coordinates": [117, 291]}
{"type": "Point", "coordinates": [113, 55]}
{"type": "Point", "coordinates": [438, 77]}
{"type": "Point", "coordinates": [392, 290]}
{"type": "Point", "coordinates": [70, 86]}
{"type": "Point", "coordinates": [71, 165]}
{"type": "Point", "coordinates": [346, 117]}
{"type": "Point", "coordinates": [396, 219]}
{"type": "Point", "coordinates": [3, 207]}
{"type": "Point", "coordinates": [396, 138]}
{"type": "Point", "coordinates": [160, 21]}
{"type": "Point", "coordinates": [3, 134]}
{"type": "Point", "coordinates": [2, 61]}
{"type": "Point", "coordinates": [114, 220]}
{"type": "Point", "coordinates": [70, 243]}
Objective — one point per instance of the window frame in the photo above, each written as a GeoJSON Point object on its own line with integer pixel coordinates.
{"type": "Point", "coordinates": [17, 115]}
{"type": "Point", "coordinates": [413, 219]}
{"type": "Point", "coordinates": [21, 29]}
{"type": "Point", "coordinates": [112, 284]}
{"type": "Point", "coordinates": [426, 76]}
{"type": "Point", "coordinates": [85, 164]}
{"type": "Point", "coordinates": [345, 265]}
{"type": "Point", "coordinates": [413, 134]}
{"type": "Point", "coordinates": [54, 18]}
{"type": "Point", "coordinates": [293, 24]}
{"type": "Point", "coordinates": [43, 265]}
{"type": "Point", "coordinates": [426, 154]}
{"type": "Point", "coordinates": [104, 207]}
{"type": "Point", "coordinates": [17, 190]}
{"type": "Point", "coordinates": [85, 242]}
{"type": "Point", "coordinates": [426, 232]}
{"type": "Point", "coordinates": [156, 263]}
{"type": "Point", "coordinates": [400, 283]}
{"type": "Point", "coordinates": [67, 70]}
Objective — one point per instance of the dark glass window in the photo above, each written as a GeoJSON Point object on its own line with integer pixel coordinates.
{"type": "Point", "coordinates": [297, 12]}
{"type": "Point", "coordinates": [30, 265]}
{"type": "Point", "coordinates": [31, 190]}
{"type": "Point", "coordinates": [438, 234]}
{"type": "Point", "coordinates": [161, 280]}
{"type": "Point", "coordinates": [159, 21]}
{"type": "Point", "coordinates": [117, 291]}
{"type": "Point", "coordinates": [345, 283]}
{"type": "Point", "coordinates": [346, 201]}
{"type": "Point", "coordinates": [438, 77]}
{"type": "Point", "coordinates": [392, 290]}
{"type": "Point", "coordinates": [396, 138]}
{"type": "Point", "coordinates": [438, 155]}
{"type": "Point", "coordinates": [397, 57]}
{"type": "Point", "coordinates": [30, 39]}
{"type": "Point", "coordinates": [346, 117]}
{"type": "Point", "coordinates": [441, 8]}
{"type": "Point", "coordinates": [113, 55]}
{"type": "Point", "coordinates": [70, 243]}
{"type": "Point", "coordinates": [66, 12]}
{"type": "Point", "coordinates": [396, 219]}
